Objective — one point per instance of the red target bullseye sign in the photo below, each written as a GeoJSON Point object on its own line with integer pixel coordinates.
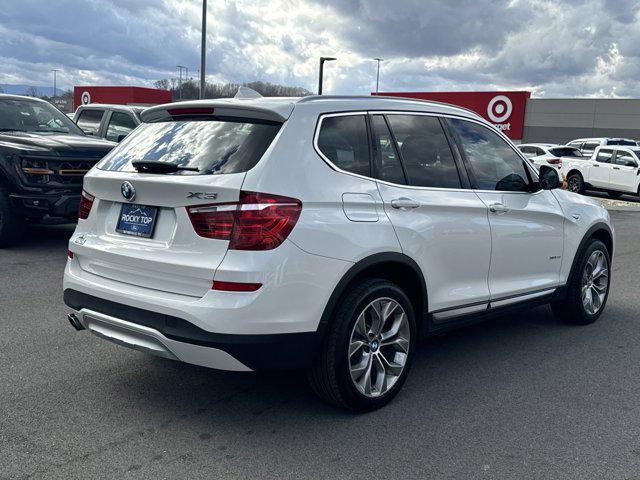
{"type": "Point", "coordinates": [505, 110]}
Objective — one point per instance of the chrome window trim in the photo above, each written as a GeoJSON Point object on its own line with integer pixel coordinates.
{"type": "Point", "coordinates": [482, 123]}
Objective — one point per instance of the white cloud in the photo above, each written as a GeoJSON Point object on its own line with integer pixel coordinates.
{"type": "Point", "coordinates": [553, 47]}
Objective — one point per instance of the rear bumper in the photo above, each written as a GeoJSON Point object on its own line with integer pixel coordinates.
{"type": "Point", "coordinates": [178, 339]}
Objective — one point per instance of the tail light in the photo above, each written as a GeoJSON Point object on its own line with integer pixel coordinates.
{"type": "Point", "coordinates": [70, 254]}
{"type": "Point", "coordinates": [258, 221]}
{"type": "Point", "coordinates": [555, 161]}
{"type": "Point", "coordinates": [86, 202]}
{"type": "Point", "coordinates": [177, 112]}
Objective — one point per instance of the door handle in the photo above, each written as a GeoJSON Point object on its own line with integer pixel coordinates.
{"type": "Point", "coordinates": [404, 203]}
{"type": "Point", "coordinates": [595, 165]}
{"type": "Point", "coordinates": [498, 208]}
{"type": "Point", "coordinates": [616, 168]}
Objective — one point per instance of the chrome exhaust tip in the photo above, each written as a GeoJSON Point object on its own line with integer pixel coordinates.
{"type": "Point", "coordinates": [74, 321]}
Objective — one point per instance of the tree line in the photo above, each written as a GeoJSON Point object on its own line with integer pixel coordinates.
{"type": "Point", "coordinates": [190, 89]}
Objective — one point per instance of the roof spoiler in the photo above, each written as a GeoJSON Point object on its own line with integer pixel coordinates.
{"type": "Point", "coordinates": [221, 107]}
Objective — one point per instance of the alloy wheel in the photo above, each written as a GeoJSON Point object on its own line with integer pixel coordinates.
{"type": "Point", "coordinates": [574, 184]}
{"type": "Point", "coordinates": [595, 282]}
{"type": "Point", "coordinates": [379, 347]}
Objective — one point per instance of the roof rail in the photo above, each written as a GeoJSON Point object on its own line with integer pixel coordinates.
{"type": "Point", "coordinates": [311, 98]}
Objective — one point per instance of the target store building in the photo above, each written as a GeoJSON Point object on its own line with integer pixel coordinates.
{"type": "Point", "coordinates": [506, 110]}
{"type": "Point", "coordinates": [546, 120]}
{"type": "Point", "coordinates": [141, 96]}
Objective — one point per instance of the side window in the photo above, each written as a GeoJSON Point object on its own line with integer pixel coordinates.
{"type": "Point", "coordinates": [539, 151]}
{"type": "Point", "coordinates": [388, 166]}
{"type": "Point", "coordinates": [528, 151]}
{"type": "Point", "coordinates": [494, 163]}
{"type": "Point", "coordinates": [577, 145]}
{"type": "Point", "coordinates": [344, 141]}
{"type": "Point", "coordinates": [89, 121]}
{"type": "Point", "coordinates": [625, 159]}
{"type": "Point", "coordinates": [424, 151]}
{"type": "Point", "coordinates": [589, 147]}
{"type": "Point", "coordinates": [120, 124]}
{"type": "Point", "coordinates": [604, 156]}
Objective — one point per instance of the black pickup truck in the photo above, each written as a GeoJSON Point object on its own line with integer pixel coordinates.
{"type": "Point", "coordinates": [43, 157]}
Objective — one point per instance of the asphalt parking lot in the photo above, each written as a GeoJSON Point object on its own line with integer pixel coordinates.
{"type": "Point", "coordinates": [520, 397]}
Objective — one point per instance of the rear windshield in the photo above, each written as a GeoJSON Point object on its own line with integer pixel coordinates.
{"type": "Point", "coordinates": [621, 142]}
{"type": "Point", "coordinates": [214, 147]}
{"type": "Point", "coordinates": [565, 152]}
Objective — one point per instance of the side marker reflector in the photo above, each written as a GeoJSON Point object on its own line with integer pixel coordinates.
{"type": "Point", "coordinates": [235, 286]}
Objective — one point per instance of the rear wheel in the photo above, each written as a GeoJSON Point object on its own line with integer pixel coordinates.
{"type": "Point", "coordinates": [368, 350]}
{"type": "Point", "coordinates": [575, 183]}
{"type": "Point", "coordinates": [588, 289]}
{"type": "Point", "coordinates": [11, 221]}
{"type": "Point", "coordinates": [613, 194]}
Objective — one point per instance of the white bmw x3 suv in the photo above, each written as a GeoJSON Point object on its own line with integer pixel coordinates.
{"type": "Point", "coordinates": [326, 233]}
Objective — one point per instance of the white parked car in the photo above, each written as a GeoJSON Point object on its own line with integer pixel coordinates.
{"type": "Point", "coordinates": [326, 233]}
{"type": "Point", "coordinates": [588, 145]}
{"type": "Point", "coordinates": [611, 169]}
{"type": "Point", "coordinates": [548, 154]}
{"type": "Point", "coordinates": [110, 121]}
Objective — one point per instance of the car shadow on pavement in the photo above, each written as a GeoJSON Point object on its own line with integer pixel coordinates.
{"type": "Point", "coordinates": [623, 198]}
{"type": "Point", "coordinates": [191, 394]}
{"type": "Point", "coordinates": [46, 237]}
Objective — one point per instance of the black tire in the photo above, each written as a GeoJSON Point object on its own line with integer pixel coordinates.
{"type": "Point", "coordinates": [575, 183]}
{"type": "Point", "coordinates": [571, 309]}
{"type": "Point", "coordinates": [11, 221]}
{"type": "Point", "coordinates": [330, 375]}
{"type": "Point", "coordinates": [613, 194]}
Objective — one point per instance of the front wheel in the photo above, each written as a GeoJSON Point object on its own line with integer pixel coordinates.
{"type": "Point", "coordinates": [588, 289]}
{"type": "Point", "coordinates": [367, 352]}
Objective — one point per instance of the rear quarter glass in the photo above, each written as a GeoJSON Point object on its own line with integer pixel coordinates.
{"type": "Point", "coordinates": [214, 146]}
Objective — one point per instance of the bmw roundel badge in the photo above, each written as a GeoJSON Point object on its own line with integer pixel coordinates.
{"type": "Point", "coordinates": [128, 191]}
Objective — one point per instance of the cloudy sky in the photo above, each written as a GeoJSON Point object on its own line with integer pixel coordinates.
{"type": "Point", "coordinates": [551, 47]}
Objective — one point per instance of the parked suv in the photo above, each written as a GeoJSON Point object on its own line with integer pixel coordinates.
{"type": "Point", "coordinates": [43, 157]}
{"type": "Point", "coordinates": [588, 145]}
{"type": "Point", "coordinates": [326, 233]}
{"type": "Point", "coordinates": [113, 122]}
{"type": "Point", "coordinates": [611, 169]}
{"type": "Point", "coordinates": [549, 154]}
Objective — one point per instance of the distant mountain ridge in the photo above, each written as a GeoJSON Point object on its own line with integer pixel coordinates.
{"type": "Point", "coordinates": [41, 91]}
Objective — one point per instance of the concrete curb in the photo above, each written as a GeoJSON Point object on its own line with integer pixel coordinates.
{"type": "Point", "coordinates": [622, 208]}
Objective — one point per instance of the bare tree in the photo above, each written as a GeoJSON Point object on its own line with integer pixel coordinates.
{"type": "Point", "coordinates": [190, 89]}
{"type": "Point", "coordinates": [162, 84]}
{"type": "Point", "coordinates": [32, 92]}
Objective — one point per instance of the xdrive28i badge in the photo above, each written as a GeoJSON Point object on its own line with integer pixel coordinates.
{"type": "Point", "coordinates": [128, 191]}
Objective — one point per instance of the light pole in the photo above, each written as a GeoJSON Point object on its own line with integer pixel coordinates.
{"type": "Point", "coordinates": [180, 67]}
{"type": "Point", "coordinates": [322, 60]}
{"type": "Point", "coordinates": [378, 73]}
{"type": "Point", "coordinates": [55, 71]}
{"type": "Point", "coordinates": [203, 47]}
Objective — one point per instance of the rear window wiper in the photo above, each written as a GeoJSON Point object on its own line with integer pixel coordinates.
{"type": "Point", "coordinates": [160, 167]}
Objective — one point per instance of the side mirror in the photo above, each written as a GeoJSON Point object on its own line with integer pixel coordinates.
{"type": "Point", "coordinates": [549, 178]}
